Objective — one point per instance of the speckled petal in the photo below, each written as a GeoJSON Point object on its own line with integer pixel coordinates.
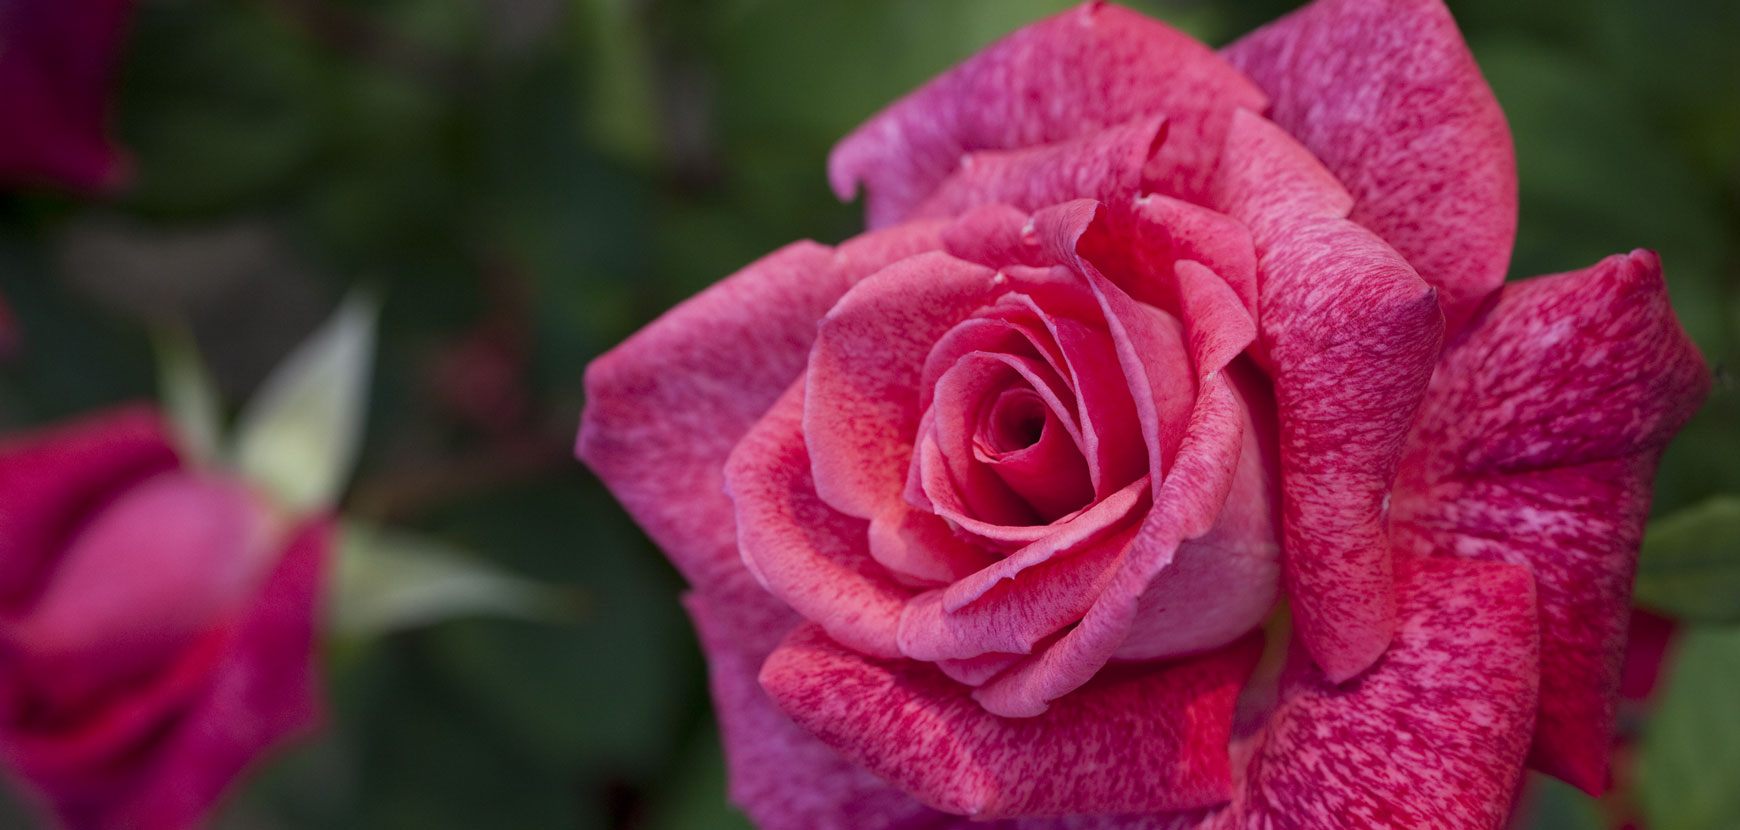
{"type": "Point", "coordinates": [1388, 96]}
{"type": "Point", "coordinates": [1351, 333]}
{"type": "Point", "coordinates": [806, 553]}
{"type": "Point", "coordinates": [1164, 725]}
{"type": "Point", "coordinates": [664, 408]}
{"type": "Point", "coordinates": [1431, 738]}
{"type": "Point", "coordinates": [1537, 445]}
{"type": "Point", "coordinates": [1071, 75]}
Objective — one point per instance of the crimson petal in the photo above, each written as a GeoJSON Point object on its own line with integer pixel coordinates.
{"type": "Point", "coordinates": [1164, 726]}
{"type": "Point", "coordinates": [1537, 445]}
{"type": "Point", "coordinates": [1351, 332]}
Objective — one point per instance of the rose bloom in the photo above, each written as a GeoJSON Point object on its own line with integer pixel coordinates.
{"type": "Point", "coordinates": [57, 62]}
{"type": "Point", "coordinates": [1169, 453]}
{"type": "Point", "coordinates": [156, 624]}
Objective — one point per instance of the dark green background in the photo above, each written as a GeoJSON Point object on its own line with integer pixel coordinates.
{"type": "Point", "coordinates": [547, 176]}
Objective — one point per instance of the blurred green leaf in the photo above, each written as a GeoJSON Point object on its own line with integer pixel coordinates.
{"type": "Point", "coordinates": [694, 796]}
{"type": "Point", "coordinates": [1690, 563]}
{"type": "Point", "coordinates": [389, 580]}
{"type": "Point", "coordinates": [220, 104]}
{"type": "Point", "coordinates": [1692, 749]}
{"type": "Point", "coordinates": [1551, 804]}
{"type": "Point", "coordinates": [187, 393]}
{"type": "Point", "coordinates": [299, 435]}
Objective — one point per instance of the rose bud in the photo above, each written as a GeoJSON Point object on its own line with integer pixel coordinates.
{"type": "Point", "coordinates": [156, 624]}
{"type": "Point", "coordinates": [1169, 453]}
{"type": "Point", "coordinates": [57, 62]}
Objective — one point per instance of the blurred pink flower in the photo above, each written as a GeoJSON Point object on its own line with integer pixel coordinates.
{"type": "Point", "coordinates": [156, 624]}
{"type": "Point", "coordinates": [57, 63]}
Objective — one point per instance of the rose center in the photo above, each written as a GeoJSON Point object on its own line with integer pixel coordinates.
{"type": "Point", "coordinates": [1015, 422]}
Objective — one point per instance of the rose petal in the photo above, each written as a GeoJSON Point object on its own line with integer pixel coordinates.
{"type": "Point", "coordinates": [1185, 507]}
{"type": "Point", "coordinates": [1011, 616]}
{"type": "Point", "coordinates": [1388, 96]}
{"type": "Point", "coordinates": [861, 414]}
{"type": "Point", "coordinates": [1537, 446]}
{"type": "Point", "coordinates": [921, 548]}
{"type": "Point", "coordinates": [1071, 75]}
{"type": "Point", "coordinates": [1221, 584]}
{"type": "Point", "coordinates": [142, 578]}
{"type": "Point", "coordinates": [814, 558]}
{"type": "Point", "coordinates": [55, 77]}
{"type": "Point", "coordinates": [666, 406]}
{"type": "Point", "coordinates": [1352, 333]}
{"type": "Point", "coordinates": [166, 758]}
{"type": "Point", "coordinates": [52, 480]}
{"type": "Point", "coordinates": [781, 776]}
{"type": "Point", "coordinates": [1105, 165]}
{"type": "Point", "coordinates": [1433, 736]}
{"type": "Point", "coordinates": [1166, 726]}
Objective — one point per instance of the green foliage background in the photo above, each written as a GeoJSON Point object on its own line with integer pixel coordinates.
{"type": "Point", "coordinates": [545, 177]}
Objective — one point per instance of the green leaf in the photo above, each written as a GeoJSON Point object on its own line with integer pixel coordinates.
{"type": "Point", "coordinates": [188, 394]}
{"type": "Point", "coordinates": [390, 580]}
{"type": "Point", "coordinates": [300, 434]}
{"type": "Point", "coordinates": [1690, 564]}
{"type": "Point", "coordinates": [1692, 749]}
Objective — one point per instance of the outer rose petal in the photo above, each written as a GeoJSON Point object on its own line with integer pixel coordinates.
{"type": "Point", "coordinates": [780, 775]}
{"type": "Point", "coordinates": [1106, 166]}
{"type": "Point", "coordinates": [1387, 95]}
{"type": "Point", "coordinates": [1351, 332]}
{"type": "Point", "coordinates": [666, 406]}
{"type": "Point", "coordinates": [1165, 726]}
{"type": "Point", "coordinates": [163, 760]}
{"type": "Point", "coordinates": [1537, 445]}
{"type": "Point", "coordinates": [52, 480]}
{"type": "Point", "coordinates": [1068, 76]}
{"type": "Point", "coordinates": [1432, 737]}
{"type": "Point", "coordinates": [56, 61]}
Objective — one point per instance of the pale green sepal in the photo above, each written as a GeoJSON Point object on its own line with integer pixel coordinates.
{"type": "Point", "coordinates": [388, 580]}
{"type": "Point", "coordinates": [300, 434]}
{"type": "Point", "coordinates": [187, 394]}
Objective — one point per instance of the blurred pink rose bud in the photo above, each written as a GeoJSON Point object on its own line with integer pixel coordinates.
{"type": "Point", "coordinates": [57, 62]}
{"type": "Point", "coordinates": [156, 624]}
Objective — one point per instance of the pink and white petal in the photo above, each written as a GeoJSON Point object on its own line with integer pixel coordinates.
{"type": "Point", "coordinates": [1185, 507]}
{"type": "Point", "coordinates": [995, 236]}
{"type": "Point", "coordinates": [1223, 583]}
{"type": "Point", "coordinates": [1105, 165]}
{"type": "Point", "coordinates": [1071, 75]}
{"type": "Point", "coordinates": [1432, 737]}
{"type": "Point", "coordinates": [1157, 231]}
{"type": "Point", "coordinates": [780, 775]}
{"type": "Point", "coordinates": [1166, 726]}
{"type": "Point", "coordinates": [1012, 615]}
{"type": "Point", "coordinates": [1537, 446]}
{"type": "Point", "coordinates": [921, 549]}
{"type": "Point", "coordinates": [666, 406]}
{"type": "Point", "coordinates": [861, 412]}
{"type": "Point", "coordinates": [1388, 96]}
{"type": "Point", "coordinates": [804, 552]}
{"type": "Point", "coordinates": [1351, 332]}
{"type": "Point", "coordinates": [53, 479]}
{"type": "Point", "coordinates": [1107, 515]}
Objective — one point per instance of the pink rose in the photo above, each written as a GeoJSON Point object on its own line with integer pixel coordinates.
{"type": "Point", "coordinates": [156, 624]}
{"type": "Point", "coordinates": [57, 61]}
{"type": "Point", "coordinates": [1144, 339]}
